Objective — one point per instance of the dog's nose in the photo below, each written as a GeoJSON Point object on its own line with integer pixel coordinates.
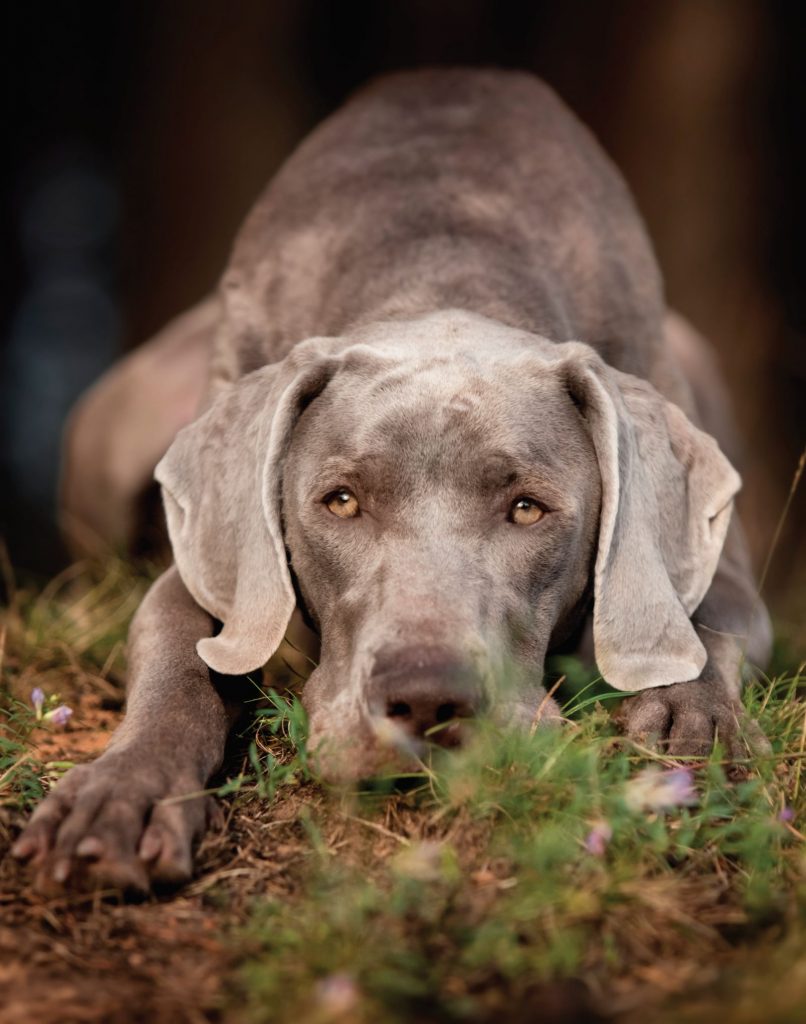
{"type": "Point", "coordinates": [426, 694]}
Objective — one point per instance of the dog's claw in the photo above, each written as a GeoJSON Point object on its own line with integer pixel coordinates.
{"type": "Point", "coordinates": [24, 848]}
{"type": "Point", "coordinates": [90, 832]}
{"type": "Point", "coordinates": [90, 848]}
{"type": "Point", "coordinates": [686, 719]}
{"type": "Point", "coordinates": [150, 845]}
{"type": "Point", "coordinates": [61, 871]}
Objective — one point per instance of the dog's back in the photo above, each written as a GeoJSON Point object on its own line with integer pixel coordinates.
{"type": "Point", "coordinates": [476, 189]}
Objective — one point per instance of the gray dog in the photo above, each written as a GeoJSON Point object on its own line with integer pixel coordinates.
{"type": "Point", "coordinates": [399, 438]}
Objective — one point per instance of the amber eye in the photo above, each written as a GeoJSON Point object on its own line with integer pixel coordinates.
{"type": "Point", "coordinates": [524, 512]}
{"type": "Point", "coordinates": [342, 503]}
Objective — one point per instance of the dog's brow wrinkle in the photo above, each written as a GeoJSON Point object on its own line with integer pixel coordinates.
{"type": "Point", "coordinates": [337, 465]}
{"type": "Point", "coordinates": [462, 402]}
{"type": "Point", "coordinates": [390, 381]}
{"type": "Point", "coordinates": [497, 479]}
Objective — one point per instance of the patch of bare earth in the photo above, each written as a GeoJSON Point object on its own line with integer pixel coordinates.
{"type": "Point", "coordinates": [73, 959]}
{"type": "Point", "coordinates": [77, 959]}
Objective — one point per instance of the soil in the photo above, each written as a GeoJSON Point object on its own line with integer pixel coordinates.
{"type": "Point", "coordinates": [77, 959]}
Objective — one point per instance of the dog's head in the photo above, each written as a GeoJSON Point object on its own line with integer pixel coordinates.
{"type": "Point", "coordinates": [445, 495]}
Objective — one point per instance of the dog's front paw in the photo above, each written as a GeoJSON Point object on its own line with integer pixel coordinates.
{"type": "Point", "coordinates": [119, 823]}
{"type": "Point", "coordinates": [685, 719]}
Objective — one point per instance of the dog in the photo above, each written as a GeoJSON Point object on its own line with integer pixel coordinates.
{"type": "Point", "coordinates": [447, 415]}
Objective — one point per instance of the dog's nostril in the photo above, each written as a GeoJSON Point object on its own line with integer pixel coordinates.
{"type": "Point", "coordinates": [424, 696]}
{"type": "Point", "coordinates": [398, 709]}
{"type": "Point", "coordinates": [445, 713]}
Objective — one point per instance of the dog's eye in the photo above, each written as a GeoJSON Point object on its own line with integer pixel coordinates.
{"type": "Point", "coordinates": [342, 503]}
{"type": "Point", "coordinates": [525, 511]}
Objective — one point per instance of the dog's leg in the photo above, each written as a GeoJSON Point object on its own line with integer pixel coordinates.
{"type": "Point", "coordinates": [732, 622]}
{"type": "Point", "coordinates": [122, 426]}
{"type": "Point", "coordinates": [131, 817]}
{"type": "Point", "coordinates": [734, 627]}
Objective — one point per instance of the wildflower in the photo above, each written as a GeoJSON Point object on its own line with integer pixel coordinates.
{"type": "Point", "coordinates": [59, 716]}
{"type": "Point", "coordinates": [656, 790]}
{"type": "Point", "coordinates": [786, 814]}
{"type": "Point", "coordinates": [597, 839]}
{"type": "Point", "coordinates": [337, 994]}
{"type": "Point", "coordinates": [38, 700]}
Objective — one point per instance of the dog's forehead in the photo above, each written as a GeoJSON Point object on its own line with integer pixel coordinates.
{"type": "Point", "coordinates": [447, 392]}
{"type": "Point", "coordinates": [448, 332]}
{"type": "Point", "coordinates": [454, 357]}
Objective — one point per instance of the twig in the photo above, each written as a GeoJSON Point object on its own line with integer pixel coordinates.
{"type": "Point", "coordinates": [110, 659]}
{"type": "Point", "coordinates": [800, 756]}
{"type": "Point", "coordinates": [542, 705]}
{"type": "Point", "coordinates": [777, 534]}
{"type": "Point", "coordinates": [379, 828]}
{"type": "Point", "coordinates": [12, 768]}
{"type": "Point", "coordinates": [794, 831]}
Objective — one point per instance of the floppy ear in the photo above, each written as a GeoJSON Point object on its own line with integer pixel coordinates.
{"type": "Point", "coordinates": [221, 486]}
{"type": "Point", "coordinates": [667, 496]}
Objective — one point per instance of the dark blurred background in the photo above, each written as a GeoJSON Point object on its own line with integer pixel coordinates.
{"type": "Point", "coordinates": [140, 132]}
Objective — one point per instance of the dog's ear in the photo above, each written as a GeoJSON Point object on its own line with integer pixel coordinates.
{"type": "Point", "coordinates": [667, 496]}
{"type": "Point", "coordinates": [221, 487]}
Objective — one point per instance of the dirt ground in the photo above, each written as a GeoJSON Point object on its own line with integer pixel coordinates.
{"type": "Point", "coordinates": [72, 959]}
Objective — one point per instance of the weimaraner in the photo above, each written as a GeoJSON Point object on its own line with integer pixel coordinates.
{"type": "Point", "coordinates": [449, 417]}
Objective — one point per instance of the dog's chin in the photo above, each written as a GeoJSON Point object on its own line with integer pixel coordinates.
{"type": "Point", "coordinates": [380, 748]}
{"type": "Point", "coordinates": [349, 764]}
{"type": "Point", "coordinates": [363, 755]}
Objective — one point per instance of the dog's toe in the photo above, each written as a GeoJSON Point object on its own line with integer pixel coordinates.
{"type": "Point", "coordinates": [691, 734]}
{"type": "Point", "coordinates": [167, 843]}
{"type": "Point", "coordinates": [645, 718]}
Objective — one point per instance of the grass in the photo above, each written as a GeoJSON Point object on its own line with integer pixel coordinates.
{"type": "Point", "coordinates": [551, 877]}
{"type": "Point", "coordinates": [488, 893]}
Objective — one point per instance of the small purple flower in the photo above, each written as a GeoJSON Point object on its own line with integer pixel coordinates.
{"type": "Point", "coordinates": [59, 716]}
{"type": "Point", "coordinates": [680, 785]}
{"type": "Point", "coordinates": [597, 839]}
{"type": "Point", "coordinates": [656, 790]}
{"type": "Point", "coordinates": [337, 995]}
{"type": "Point", "coordinates": [786, 814]}
{"type": "Point", "coordinates": [38, 700]}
